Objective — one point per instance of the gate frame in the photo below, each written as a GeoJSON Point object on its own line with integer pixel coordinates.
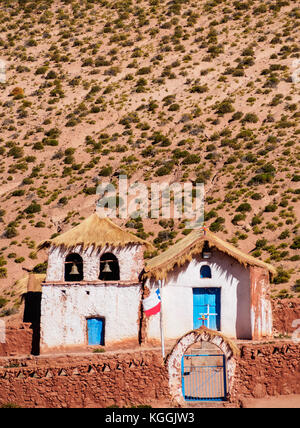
{"type": "Point", "coordinates": [173, 360]}
{"type": "Point", "coordinates": [224, 370]}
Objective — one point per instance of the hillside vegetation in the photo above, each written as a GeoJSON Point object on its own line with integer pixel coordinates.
{"type": "Point", "coordinates": [180, 90]}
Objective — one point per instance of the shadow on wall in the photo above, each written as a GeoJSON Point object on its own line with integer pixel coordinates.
{"type": "Point", "coordinates": [32, 314]}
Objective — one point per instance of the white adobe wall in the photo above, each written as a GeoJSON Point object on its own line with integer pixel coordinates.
{"type": "Point", "coordinates": [64, 310]}
{"type": "Point", "coordinates": [177, 297]}
{"type": "Point", "coordinates": [130, 259]}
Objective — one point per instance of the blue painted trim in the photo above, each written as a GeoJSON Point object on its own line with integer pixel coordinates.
{"type": "Point", "coordinates": [224, 376]}
{"type": "Point", "coordinates": [209, 387]}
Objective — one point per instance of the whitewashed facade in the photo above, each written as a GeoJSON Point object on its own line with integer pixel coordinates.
{"type": "Point", "coordinates": [66, 306]}
{"type": "Point", "coordinates": [238, 313]}
{"type": "Point", "coordinates": [73, 309]}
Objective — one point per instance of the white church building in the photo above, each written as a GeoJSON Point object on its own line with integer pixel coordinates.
{"type": "Point", "coordinates": [206, 281]}
{"type": "Point", "coordinates": [97, 279]}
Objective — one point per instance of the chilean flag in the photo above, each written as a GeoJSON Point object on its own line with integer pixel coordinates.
{"type": "Point", "coordinates": [152, 304]}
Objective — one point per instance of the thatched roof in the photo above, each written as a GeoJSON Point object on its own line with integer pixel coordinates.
{"type": "Point", "coordinates": [97, 232]}
{"type": "Point", "coordinates": [191, 245]}
{"type": "Point", "coordinates": [31, 282]}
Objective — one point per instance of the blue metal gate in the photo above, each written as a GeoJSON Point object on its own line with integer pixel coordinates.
{"type": "Point", "coordinates": [204, 379]}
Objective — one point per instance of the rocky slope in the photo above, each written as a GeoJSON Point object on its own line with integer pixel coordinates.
{"type": "Point", "coordinates": [180, 90]}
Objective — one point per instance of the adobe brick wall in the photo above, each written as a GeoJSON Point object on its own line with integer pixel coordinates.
{"type": "Point", "coordinates": [267, 369]}
{"type": "Point", "coordinates": [261, 307]}
{"type": "Point", "coordinates": [140, 377]}
{"type": "Point", "coordinates": [18, 340]}
{"type": "Point", "coordinates": [285, 311]}
{"type": "Point", "coordinates": [98, 380]}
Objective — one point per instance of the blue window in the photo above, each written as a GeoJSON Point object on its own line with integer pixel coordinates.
{"type": "Point", "coordinates": [205, 272]}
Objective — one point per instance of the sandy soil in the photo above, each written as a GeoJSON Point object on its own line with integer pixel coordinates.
{"type": "Point", "coordinates": [282, 401]}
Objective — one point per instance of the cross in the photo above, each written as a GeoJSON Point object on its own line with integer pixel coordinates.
{"type": "Point", "coordinates": [208, 315]}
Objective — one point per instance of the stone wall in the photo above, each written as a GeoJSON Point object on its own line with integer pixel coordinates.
{"type": "Point", "coordinates": [18, 340]}
{"type": "Point", "coordinates": [267, 369]}
{"type": "Point", "coordinates": [285, 314]}
{"type": "Point", "coordinates": [97, 380]}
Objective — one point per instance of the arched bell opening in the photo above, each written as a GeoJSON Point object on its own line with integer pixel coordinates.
{"type": "Point", "coordinates": [109, 268]}
{"type": "Point", "coordinates": [73, 267]}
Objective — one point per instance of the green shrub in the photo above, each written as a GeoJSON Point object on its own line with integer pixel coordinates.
{"type": "Point", "coordinates": [250, 117]}
{"type": "Point", "coordinates": [41, 70]}
{"type": "Point", "coordinates": [51, 75]}
{"type": "Point", "coordinates": [217, 225]}
{"type": "Point", "coordinates": [11, 232]}
{"type": "Point", "coordinates": [282, 276]}
{"type": "Point", "coordinates": [40, 224]}
{"type": "Point", "coordinates": [244, 207]}
{"type": "Point", "coordinates": [237, 218]}
{"type": "Point", "coordinates": [199, 89]}
{"type": "Point", "coordinates": [256, 196]}
{"type": "Point", "coordinates": [256, 220]}
{"type": "Point", "coordinates": [190, 159]}
{"type": "Point", "coordinates": [174, 107]}
{"type": "Point", "coordinates": [143, 70]}
{"type": "Point", "coordinates": [165, 169]}
{"type": "Point", "coordinates": [18, 192]}
{"type": "Point", "coordinates": [296, 243]}
{"type": "Point", "coordinates": [90, 190]}
{"type": "Point", "coordinates": [40, 268]}
{"type": "Point", "coordinates": [3, 272]}
{"type": "Point", "coordinates": [261, 243]}
{"type": "Point", "coordinates": [224, 107]}
{"type": "Point", "coordinates": [16, 152]}
{"type": "Point", "coordinates": [105, 171]}
{"type": "Point", "coordinates": [34, 207]}
{"type": "Point", "coordinates": [3, 301]}
{"type": "Point", "coordinates": [271, 208]}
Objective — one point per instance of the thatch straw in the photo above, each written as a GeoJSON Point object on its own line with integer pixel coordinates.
{"type": "Point", "coordinates": [192, 244]}
{"type": "Point", "coordinates": [97, 232]}
{"type": "Point", "coordinates": [30, 283]}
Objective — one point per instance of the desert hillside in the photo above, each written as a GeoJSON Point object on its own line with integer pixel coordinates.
{"type": "Point", "coordinates": [180, 90]}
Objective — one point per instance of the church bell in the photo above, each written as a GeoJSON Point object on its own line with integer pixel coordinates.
{"type": "Point", "coordinates": [74, 270]}
{"type": "Point", "coordinates": [106, 268]}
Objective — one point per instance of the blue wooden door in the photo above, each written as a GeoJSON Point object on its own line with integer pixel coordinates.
{"type": "Point", "coordinates": [206, 303]}
{"type": "Point", "coordinates": [95, 331]}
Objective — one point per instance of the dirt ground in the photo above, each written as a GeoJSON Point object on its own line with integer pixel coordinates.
{"type": "Point", "coordinates": [281, 401]}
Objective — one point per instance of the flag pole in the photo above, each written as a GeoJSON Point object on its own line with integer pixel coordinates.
{"type": "Point", "coordinates": [162, 339]}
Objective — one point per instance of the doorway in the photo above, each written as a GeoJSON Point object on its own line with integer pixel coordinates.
{"type": "Point", "coordinates": [206, 307]}
{"type": "Point", "coordinates": [95, 331]}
